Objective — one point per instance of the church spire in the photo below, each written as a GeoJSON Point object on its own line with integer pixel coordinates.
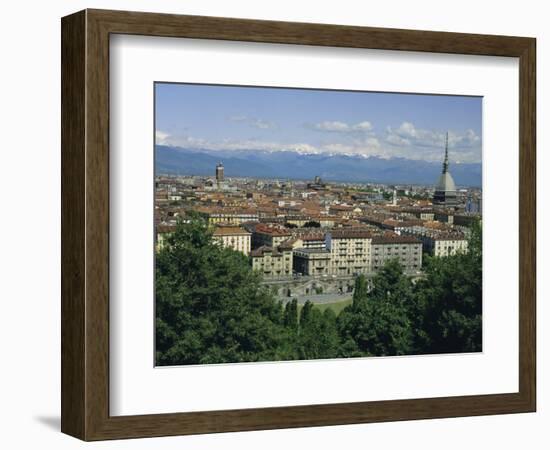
{"type": "Point", "coordinates": [446, 161]}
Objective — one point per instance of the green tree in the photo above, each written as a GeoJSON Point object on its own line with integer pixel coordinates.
{"type": "Point", "coordinates": [377, 322]}
{"type": "Point", "coordinates": [451, 298]}
{"type": "Point", "coordinates": [291, 314]}
{"type": "Point", "coordinates": [305, 313]}
{"type": "Point", "coordinates": [312, 224]}
{"type": "Point", "coordinates": [210, 306]}
{"type": "Point", "coordinates": [318, 336]}
{"type": "Point", "coordinates": [360, 291]}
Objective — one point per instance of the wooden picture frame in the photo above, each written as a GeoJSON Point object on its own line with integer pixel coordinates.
{"type": "Point", "coordinates": [85, 224]}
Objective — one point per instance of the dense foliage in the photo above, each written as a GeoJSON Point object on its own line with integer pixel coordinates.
{"type": "Point", "coordinates": [212, 308]}
{"type": "Point", "coordinates": [312, 224]}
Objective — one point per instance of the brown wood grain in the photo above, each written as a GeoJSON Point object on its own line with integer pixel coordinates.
{"type": "Point", "coordinates": [72, 224]}
{"type": "Point", "coordinates": [85, 224]}
{"type": "Point", "coordinates": [527, 224]}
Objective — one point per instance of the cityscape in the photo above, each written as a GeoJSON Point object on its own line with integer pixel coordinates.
{"type": "Point", "coordinates": [312, 236]}
{"type": "Point", "coordinates": [317, 251]}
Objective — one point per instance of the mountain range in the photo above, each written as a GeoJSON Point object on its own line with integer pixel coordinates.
{"type": "Point", "coordinates": [302, 166]}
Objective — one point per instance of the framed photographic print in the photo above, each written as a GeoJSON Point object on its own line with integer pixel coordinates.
{"type": "Point", "coordinates": [271, 224]}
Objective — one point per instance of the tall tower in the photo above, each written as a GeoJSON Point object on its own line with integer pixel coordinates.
{"type": "Point", "coordinates": [445, 189]}
{"type": "Point", "coordinates": [219, 173]}
{"type": "Point", "coordinates": [446, 160]}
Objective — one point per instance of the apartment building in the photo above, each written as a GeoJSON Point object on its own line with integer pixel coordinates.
{"type": "Point", "coordinates": [406, 249]}
{"type": "Point", "coordinates": [439, 243]}
{"type": "Point", "coordinates": [350, 251]}
{"type": "Point", "coordinates": [272, 262]}
{"type": "Point", "coordinates": [269, 235]}
{"type": "Point", "coordinates": [312, 262]}
{"type": "Point", "coordinates": [233, 237]}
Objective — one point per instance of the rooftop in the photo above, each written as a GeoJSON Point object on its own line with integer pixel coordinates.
{"type": "Point", "coordinates": [259, 252]}
{"type": "Point", "coordinates": [231, 231]}
{"type": "Point", "coordinates": [271, 230]}
{"type": "Point", "coordinates": [312, 250]}
{"type": "Point", "coordinates": [313, 237]}
{"type": "Point", "coordinates": [445, 183]}
{"type": "Point", "coordinates": [395, 240]}
{"type": "Point", "coordinates": [350, 234]}
{"type": "Point", "coordinates": [166, 228]}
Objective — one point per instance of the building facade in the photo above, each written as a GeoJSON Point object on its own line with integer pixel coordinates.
{"type": "Point", "coordinates": [313, 262]}
{"type": "Point", "coordinates": [231, 217]}
{"type": "Point", "coordinates": [219, 173]}
{"type": "Point", "coordinates": [272, 263]}
{"type": "Point", "coordinates": [314, 241]}
{"type": "Point", "coordinates": [406, 249]}
{"type": "Point", "coordinates": [440, 242]}
{"type": "Point", "coordinates": [447, 245]}
{"type": "Point", "coordinates": [269, 235]}
{"type": "Point", "coordinates": [236, 238]}
{"type": "Point", "coordinates": [162, 232]}
{"type": "Point", "coordinates": [350, 251]}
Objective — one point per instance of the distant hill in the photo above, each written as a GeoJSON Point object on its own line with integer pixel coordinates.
{"type": "Point", "coordinates": [294, 165]}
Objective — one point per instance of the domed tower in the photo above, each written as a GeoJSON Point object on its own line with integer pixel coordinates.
{"type": "Point", "coordinates": [445, 189]}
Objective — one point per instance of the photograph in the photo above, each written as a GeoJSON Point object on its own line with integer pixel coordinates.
{"type": "Point", "coordinates": [307, 224]}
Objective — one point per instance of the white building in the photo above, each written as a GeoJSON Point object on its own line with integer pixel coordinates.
{"type": "Point", "coordinates": [448, 245]}
{"type": "Point", "coordinates": [236, 238]}
{"type": "Point", "coordinates": [350, 251]}
{"type": "Point", "coordinates": [273, 262]}
{"type": "Point", "coordinates": [439, 242]}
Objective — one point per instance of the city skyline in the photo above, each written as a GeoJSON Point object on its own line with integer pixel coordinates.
{"type": "Point", "coordinates": [361, 257]}
{"type": "Point", "coordinates": [369, 124]}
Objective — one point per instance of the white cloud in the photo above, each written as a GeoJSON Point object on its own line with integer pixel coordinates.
{"type": "Point", "coordinates": [253, 122]}
{"type": "Point", "coordinates": [405, 141]}
{"type": "Point", "coordinates": [342, 127]}
{"type": "Point", "coordinates": [407, 129]}
{"type": "Point", "coordinates": [417, 143]}
{"type": "Point", "coordinates": [331, 126]}
{"type": "Point", "coordinates": [407, 134]}
{"type": "Point", "coordinates": [237, 118]}
{"type": "Point", "coordinates": [189, 142]}
{"type": "Point", "coordinates": [161, 137]}
{"type": "Point", "coordinates": [467, 140]}
{"type": "Point", "coordinates": [363, 126]}
{"type": "Point", "coordinates": [395, 139]}
{"type": "Point", "coordinates": [262, 124]}
{"type": "Point", "coordinates": [373, 142]}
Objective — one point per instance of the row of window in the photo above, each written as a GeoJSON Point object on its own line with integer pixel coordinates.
{"type": "Point", "coordinates": [395, 247]}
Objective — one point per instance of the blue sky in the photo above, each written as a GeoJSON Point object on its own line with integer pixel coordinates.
{"type": "Point", "coordinates": [386, 125]}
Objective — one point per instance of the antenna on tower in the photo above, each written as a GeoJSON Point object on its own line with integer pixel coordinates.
{"type": "Point", "coordinates": [446, 161]}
